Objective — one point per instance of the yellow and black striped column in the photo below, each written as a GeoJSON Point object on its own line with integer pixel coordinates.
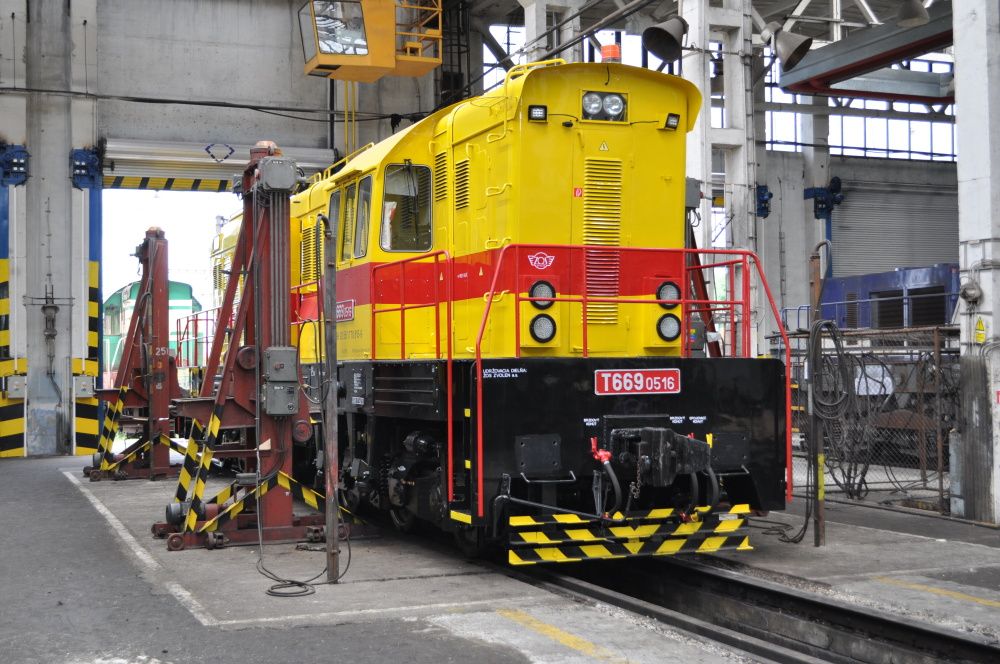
{"type": "Point", "coordinates": [87, 424]}
{"type": "Point", "coordinates": [11, 409]}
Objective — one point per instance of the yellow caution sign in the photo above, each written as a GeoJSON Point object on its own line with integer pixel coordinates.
{"type": "Point", "coordinates": [980, 336]}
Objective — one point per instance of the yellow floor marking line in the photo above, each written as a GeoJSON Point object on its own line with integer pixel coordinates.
{"type": "Point", "coordinates": [954, 594]}
{"type": "Point", "coordinates": [562, 637]}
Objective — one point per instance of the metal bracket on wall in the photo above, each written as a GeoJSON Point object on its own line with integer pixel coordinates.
{"type": "Point", "coordinates": [13, 165]}
{"type": "Point", "coordinates": [86, 166]}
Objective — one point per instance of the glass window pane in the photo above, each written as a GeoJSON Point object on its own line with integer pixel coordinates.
{"type": "Point", "coordinates": [854, 132]}
{"type": "Point", "coordinates": [406, 208]}
{"type": "Point", "coordinates": [333, 225]}
{"type": "Point", "coordinates": [920, 139]}
{"type": "Point", "coordinates": [363, 214]}
{"type": "Point", "coordinates": [942, 140]}
{"type": "Point", "coordinates": [836, 135]}
{"type": "Point", "coordinates": [875, 136]}
{"type": "Point", "coordinates": [784, 127]}
{"type": "Point", "coordinates": [306, 29]}
{"type": "Point", "coordinates": [717, 119]}
{"type": "Point", "coordinates": [333, 212]}
{"type": "Point", "coordinates": [340, 26]}
{"type": "Point", "coordinates": [899, 139]}
{"type": "Point", "coordinates": [347, 243]}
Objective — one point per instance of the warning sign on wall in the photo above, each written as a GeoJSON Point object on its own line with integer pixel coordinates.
{"type": "Point", "coordinates": [980, 336]}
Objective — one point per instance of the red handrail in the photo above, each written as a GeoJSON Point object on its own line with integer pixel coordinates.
{"type": "Point", "coordinates": [440, 258]}
{"type": "Point", "coordinates": [740, 257]}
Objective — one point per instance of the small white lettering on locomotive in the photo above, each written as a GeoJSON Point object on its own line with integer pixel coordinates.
{"type": "Point", "coordinates": [504, 372]}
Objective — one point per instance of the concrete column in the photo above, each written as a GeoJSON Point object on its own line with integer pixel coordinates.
{"type": "Point", "coordinates": [570, 30]}
{"type": "Point", "coordinates": [534, 25]}
{"type": "Point", "coordinates": [977, 89]}
{"type": "Point", "coordinates": [729, 23]}
{"type": "Point", "coordinates": [695, 68]}
{"type": "Point", "coordinates": [816, 159]}
{"type": "Point", "coordinates": [48, 302]}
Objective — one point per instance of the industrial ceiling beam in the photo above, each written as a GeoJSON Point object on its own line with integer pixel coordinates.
{"type": "Point", "coordinates": [857, 66]}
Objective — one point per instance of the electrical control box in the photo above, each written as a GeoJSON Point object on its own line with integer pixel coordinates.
{"type": "Point", "coordinates": [83, 387]}
{"type": "Point", "coordinates": [279, 399]}
{"type": "Point", "coordinates": [281, 365]}
{"type": "Point", "coordinates": [280, 373]}
{"type": "Point", "coordinates": [17, 387]}
{"type": "Point", "coordinates": [277, 174]}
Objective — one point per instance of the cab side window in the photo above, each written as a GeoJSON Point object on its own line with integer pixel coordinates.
{"type": "Point", "coordinates": [347, 238]}
{"type": "Point", "coordinates": [364, 204]}
{"type": "Point", "coordinates": [333, 213]}
{"type": "Point", "coordinates": [406, 208]}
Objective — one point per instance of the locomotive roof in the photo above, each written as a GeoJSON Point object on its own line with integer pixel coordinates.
{"type": "Point", "coordinates": [511, 87]}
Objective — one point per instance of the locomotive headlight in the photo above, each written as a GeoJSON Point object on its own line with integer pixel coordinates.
{"type": "Point", "coordinates": [608, 106]}
{"type": "Point", "coordinates": [668, 327]}
{"type": "Point", "coordinates": [543, 328]}
{"type": "Point", "coordinates": [613, 105]}
{"type": "Point", "coordinates": [542, 289]}
{"type": "Point", "coordinates": [668, 290]}
{"type": "Point", "coordinates": [592, 104]}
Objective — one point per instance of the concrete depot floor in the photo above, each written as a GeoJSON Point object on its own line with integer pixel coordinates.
{"type": "Point", "coordinates": [942, 571]}
{"type": "Point", "coordinates": [83, 582]}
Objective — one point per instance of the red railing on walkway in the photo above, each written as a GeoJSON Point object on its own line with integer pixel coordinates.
{"type": "Point", "coordinates": [442, 272]}
{"type": "Point", "coordinates": [194, 337]}
{"type": "Point", "coordinates": [736, 262]}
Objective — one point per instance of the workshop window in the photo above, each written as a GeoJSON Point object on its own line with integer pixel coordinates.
{"type": "Point", "coordinates": [364, 205]}
{"type": "Point", "coordinates": [406, 208]}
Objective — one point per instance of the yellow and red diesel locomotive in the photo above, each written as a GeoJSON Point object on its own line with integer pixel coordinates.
{"type": "Point", "coordinates": [521, 329]}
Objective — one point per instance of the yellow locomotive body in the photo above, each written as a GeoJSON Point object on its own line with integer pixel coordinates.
{"type": "Point", "coordinates": [493, 177]}
{"type": "Point", "coordinates": [520, 327]}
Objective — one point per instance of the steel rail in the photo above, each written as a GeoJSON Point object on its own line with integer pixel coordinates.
{"type": "Point", "coordinates": [766, 618]}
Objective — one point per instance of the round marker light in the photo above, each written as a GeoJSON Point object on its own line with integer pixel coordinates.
{"type": "Point", "coordinates": [668, 327]}
{"type": "Point", "coordinates": [543, 328]}
{"type": "Point", "coordinates": [542, 289]}
{"type": "Point", "coordinates": [591, 104]}
{"type": "Point", "coordinates": [668, 290]}
{"type": "Point", "coordinates": [614, 105]}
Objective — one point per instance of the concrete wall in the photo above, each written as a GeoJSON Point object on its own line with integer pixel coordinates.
{"type": "Point", "coordinates": [789, 234]}
{"type": "Point", "coordinates": [243, 51]}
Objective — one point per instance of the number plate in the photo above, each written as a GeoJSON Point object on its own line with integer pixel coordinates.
{"type": "Point", "coordinates": [637, 381]}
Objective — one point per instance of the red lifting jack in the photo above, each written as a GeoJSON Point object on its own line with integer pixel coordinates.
{"type": "Point", "coordinates": [251, 385]}
{"type": "Point", "coordinates": [146, 380]}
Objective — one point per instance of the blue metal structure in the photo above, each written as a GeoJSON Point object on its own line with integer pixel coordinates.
{"type": "Point", "coordinates": [904, 297]}
{"type": "Point", "coordinates": [86, 167]}
{"type": "Point", "coordinates": [824, 200]}
{"type": "Point", "coordinates": [13, 172]}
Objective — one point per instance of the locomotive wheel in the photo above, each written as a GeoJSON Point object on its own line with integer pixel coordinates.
{"type": "Point", "coordinates": [713, 490]}
{"type": "Point", "coordinates": [404, 520]}
{"type": "Point", "coordinates": [470, 542]}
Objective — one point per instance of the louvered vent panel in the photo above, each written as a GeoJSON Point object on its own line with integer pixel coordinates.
{"type": "Point", "coordinates": [462, 184]}
{"type": "Point", "coordinates": [602, 217]}
{"type": "Point", "coordinates": [440, 176]}
{"type": "Point", "coordinates": [307, 254]}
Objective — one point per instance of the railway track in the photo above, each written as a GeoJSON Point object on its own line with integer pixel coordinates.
{"type": "Point", "coordinates": [767, 620]}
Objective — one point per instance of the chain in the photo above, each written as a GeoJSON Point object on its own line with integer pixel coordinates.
{"type": "Point", "coordinates": [637, 485]}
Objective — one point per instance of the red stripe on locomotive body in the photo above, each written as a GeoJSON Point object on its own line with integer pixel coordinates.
{"type": "Point", "coordinates": [472, 275]}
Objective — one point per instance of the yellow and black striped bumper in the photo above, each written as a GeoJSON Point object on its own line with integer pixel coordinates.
{"type": "Point", "coordinates": [561, 538]}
